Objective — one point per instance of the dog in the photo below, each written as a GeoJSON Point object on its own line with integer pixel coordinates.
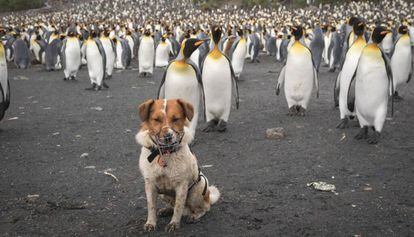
{"type": "Point", "coordinates": [168, 166]}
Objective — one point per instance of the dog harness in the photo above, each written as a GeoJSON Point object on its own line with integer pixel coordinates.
{"type": "Point", "coordinates": [155, 152]}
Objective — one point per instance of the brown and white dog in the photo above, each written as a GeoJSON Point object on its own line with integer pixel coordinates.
{"type": "Point", "coordinates": [168, 166]}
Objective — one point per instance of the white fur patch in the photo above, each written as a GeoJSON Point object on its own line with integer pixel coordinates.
{"type": "Point", "coordinates": [143, 138]}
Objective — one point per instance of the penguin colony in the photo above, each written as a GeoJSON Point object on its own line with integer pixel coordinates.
{"type": "Point", "coordinates": [203, 53]}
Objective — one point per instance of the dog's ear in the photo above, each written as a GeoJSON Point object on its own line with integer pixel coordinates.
{"type": "Point", "coordinates": [188, 109]}
{"type": "Point", "coordinates": [144, 109]}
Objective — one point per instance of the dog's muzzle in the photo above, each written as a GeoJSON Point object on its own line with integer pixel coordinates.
{"type": "Point", "coordinates": [169, 143]}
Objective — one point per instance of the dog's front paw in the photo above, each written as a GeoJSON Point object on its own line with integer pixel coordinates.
{"type": "Point", "coordinates": [164, 212]}
{"type": "Point", "coordinates": [172, 226]}
{"type": "Point", "coordinates": [149, 227]}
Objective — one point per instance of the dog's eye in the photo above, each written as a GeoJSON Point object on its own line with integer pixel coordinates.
{"type": "Point", "coordinates": [174, 119]}
{"type": "Point", "coordinates": [157, 120]}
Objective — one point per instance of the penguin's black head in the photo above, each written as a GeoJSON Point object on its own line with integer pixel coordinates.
{"type": "Point", "coordinates": [147, 32]}
{"type": "Point", "coordinates": [297, 31]}
{"type": "Point", "coordinates": [106, 32]}
{"type": "Point", "coordinates": [353, 20]}
{"type": "Point", "coordinates": [379, 33]}
{"type": "Point", "coordinates": [94, 34]}
{"type": "Point", "coordinates": [190, 45]}
{"type": "Point", "coordinates": [403, 29]}
{"type": "Point", "coordinates": [240, 32]}
{"type": "Point", "coordinates": [359, 28]}
{"type": "Point", "coordinates": [216, 33]}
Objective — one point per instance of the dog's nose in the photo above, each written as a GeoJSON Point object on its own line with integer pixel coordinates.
{"type": "Point", "coordinates": [168, 137]}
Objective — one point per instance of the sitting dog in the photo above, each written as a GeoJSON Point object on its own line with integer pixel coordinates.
{"type": "Point", "coordinates": [168, 166]}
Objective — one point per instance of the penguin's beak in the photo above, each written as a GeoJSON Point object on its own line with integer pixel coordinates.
{"type": "Point", "coordinates": [198, 43]}
{"type": "Point", "coordinates": [385, 32]}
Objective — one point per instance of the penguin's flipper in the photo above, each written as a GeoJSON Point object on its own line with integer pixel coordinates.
{"type": "Point", "coordinates": [2, 103]}
{"type": "Point", "coordinates": [63, 53]}
{"type": "Point", "coordinates": [280, 80]}
{"type": "Point", "coordinates": [102, 52]}
{"type": "Point", "coordinates": [411, 69]}
{"type": "Point", "coordinates": [113, 46]}
{"type": "Point", "coordinates": [390, 79]}
{"type": "Point", "coordinates": [163, 81]}
{"type": "Point", "coordinates": [337, 89]}
{"type": "Point", "coordinates": [200, 82]}
{"type": "Point", "coordinates": [315, 77]}
{"type": "Point", "coordinates": [350, 98]}
{"type": "Point", "coordinates": [236, 86]}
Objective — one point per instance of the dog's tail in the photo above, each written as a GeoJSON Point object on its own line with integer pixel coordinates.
{"type": "Point", "coordinates": [214, 194]}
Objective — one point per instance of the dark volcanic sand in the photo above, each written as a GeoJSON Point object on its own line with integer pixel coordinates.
{"type": "Point", "coordinates": [263, 182]}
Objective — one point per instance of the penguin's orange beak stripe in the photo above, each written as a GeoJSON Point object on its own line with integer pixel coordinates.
{"type": "Point", "coordinates": [294, 28]}
{"type": "Point", "coordinates": [360, 24]}
{"type": "Point", "coordinates": [384, 32]}
{"type": "Point", "coordinates": [198, 43]}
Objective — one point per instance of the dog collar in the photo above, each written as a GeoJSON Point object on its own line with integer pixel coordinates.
{"type": "Point", "coordinates": [154, 153]}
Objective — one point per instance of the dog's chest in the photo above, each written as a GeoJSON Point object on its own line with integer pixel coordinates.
{"type": "Point", "coordinates": [165, 185]}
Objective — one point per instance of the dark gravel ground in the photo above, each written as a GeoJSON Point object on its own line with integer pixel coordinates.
{"type": "Point", "coordinates": [263, 182]}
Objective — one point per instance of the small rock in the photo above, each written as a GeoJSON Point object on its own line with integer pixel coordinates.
{"type": "Point", "coordinates": [128, 130]}
{"type": "Point", "coordinates": [32, 197]}
{"type": "Point", "coordinates": [322, 186]}
{"type": "Point", "coordinates": [275, 133]}
{"type": "Point", "coordinates": [98, 108]}
{"type": "Point", "coordinates": [207, 166]}
{"type": "Point", "coordinates": [90, 167]}
{"type": "Point", "coordinates": [353, 205]}
{"type": "Point", "coordinates": [367, 189]}
{"type": "Point", "coordinates": [84, 155]}
{"type": "Point", "coordinates": [14, 118]}
{"type": "Point", "coordinates": [78, 136]}
{"type": "Point", "coordinates": [47, 108]}
{"type": "Point", "coordinates": [55, 133]}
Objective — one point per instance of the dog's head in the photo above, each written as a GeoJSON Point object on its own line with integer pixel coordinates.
{"type": "Point", "coordinates": [165, 123]}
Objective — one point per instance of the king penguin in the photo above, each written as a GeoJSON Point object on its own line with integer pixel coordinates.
{"type": "Point", "coordinates": [238, 55]}
{"type": "Point", "coordinates": [96, 61]}
{"type": "Point", "coordinates": [343, 86]}
{"type": "Point", "coordinates": [146, 55]}
{"type": "Point", "coordinates": [4, 83]}
{"type": "Point", "coordinates": [71, 55]}
{"type": "Point", "coordinates": [401, 60]}
{"type": "Point", "coordinates": [373, 84]}
{"type": "Point", "coordinates": [298, 75]}
{"type": "Point", "coordinates": [162, 53]}
{"type": "Point", "coordinates": [217, 76]}
{"type": "Point", "coordinates": [182, 80]}
{"type": "Point", "coordinates": [110, 53]}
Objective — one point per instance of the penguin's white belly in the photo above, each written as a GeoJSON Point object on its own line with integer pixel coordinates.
{"type": "Point", "coordinates": [184, 85]}
{"type": "Point", "coordinates": [110, 55]}
{"type": "Point", "coordinates": [278, 43]}
{"type": "Point", "coordinates": [348, 70]}
{"type": "Point", "coordinates": [401, 63]}
{"type": "Point", "coordinates": [327, 40]}
{"type": "Point", "coordinates": [387, 43]}
{"type": "Point", "coordinates": [73, 56]}
{"type": "Point", "coordinates": [162, 55]}
{"type": "Point", "coordinates": [119, 50]}
{"type": "Point", "coordinates": [195, 57]}
{"type": "Point", "coordinates": [238, 57]}
{"type": "Point", "coordinates": [35, 47]}
{"type": "Point", "coordinates": [146, 56]}
{"type": "Point", "coordinates": [3, 73]}
{"type": "Point", "coordinates": [95, 67]}
{"type": "Point", "coordinates": [131, 45]}
{"type": "Point", "coordinates": [217, 87]}
{"type": "Point", "coordinates": [371, 91]}
{"type": "Point", "coordinates": [247, 47]}
{"type": "Point", "coordinates": [299, 79]}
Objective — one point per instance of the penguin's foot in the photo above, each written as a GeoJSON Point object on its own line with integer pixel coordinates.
{"type": "Point", "coordinates": [108, 77]}
{"type": "Point", "coordinates": [397, 97]}
{"type": "Point", "coordinates": [343, 124]}
{"type": "Point", "coordinates": [222, 126]}
{"type": "Point", "coordinates": [331, 69]}
{"type": "Point", "coordinates": [211, 126]}
{"type": "Point", "coordinates": [105, 85]}
{"type": "Point", "coordinates": [93, 86]}
{"type": "Point", "coordinates": [292, 111]}
{"type": "Point", "coordinates": [73, 78]}
{"type": "Point", "coordinates": [65, 78]}
{"type": "Point", "coordinates": [98, 88]}
{"type": "Point", "coordinates": [301, 111]}
{"type": "Point", "coordinates": [149, 74]}
{"type": "Point", "coordinates": [363, 133]}
{"type": "Point", "coordinates": [374, 138]}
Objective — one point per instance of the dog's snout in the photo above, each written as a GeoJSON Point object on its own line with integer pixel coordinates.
{"type": "Point", "coordinates": [168, 137]}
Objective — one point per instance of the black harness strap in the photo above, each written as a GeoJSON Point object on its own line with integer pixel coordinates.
{"type": "Point", "coordinates": [198, 180]}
